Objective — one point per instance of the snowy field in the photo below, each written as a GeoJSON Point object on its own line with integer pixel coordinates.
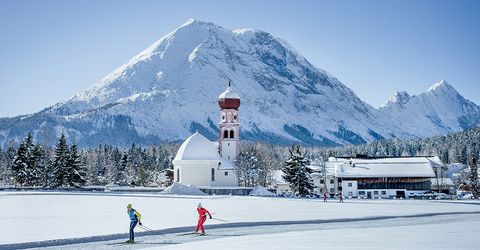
{"type": "Point", "coordinates": [96, 220]}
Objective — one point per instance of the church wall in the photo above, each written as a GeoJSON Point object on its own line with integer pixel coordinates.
{"type": "Point", "coordinates": [222, 180]}
{"type": "Point", "coordinates": [199, 173]}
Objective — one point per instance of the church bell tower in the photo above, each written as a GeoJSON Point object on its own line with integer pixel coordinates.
{"type": "Point", "coordinates": [229, 139]}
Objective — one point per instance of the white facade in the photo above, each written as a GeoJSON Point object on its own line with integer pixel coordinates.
{"type": "Point", "coordinates": [201, 162]}
{"type": "Point", "coordinates": [198, 163]}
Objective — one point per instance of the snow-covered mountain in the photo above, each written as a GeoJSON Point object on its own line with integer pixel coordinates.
{"type": "Point", "coordinates": [171, 89]}
{"type": "Point", "coordinates": [439, 110]}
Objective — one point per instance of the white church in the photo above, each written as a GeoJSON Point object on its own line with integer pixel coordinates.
{"type": "Point", "coordinates": [204, 163]}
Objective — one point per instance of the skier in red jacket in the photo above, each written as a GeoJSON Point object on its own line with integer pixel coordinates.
{"type": "Point", "coordinates": [202, 217]}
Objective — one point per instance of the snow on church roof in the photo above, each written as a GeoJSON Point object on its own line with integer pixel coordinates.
{"type": "Point", "coordinates": [229, 94]}
{"type": "Point", "coordinates": [198, 147]}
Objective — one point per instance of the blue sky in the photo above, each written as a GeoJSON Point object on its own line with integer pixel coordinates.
{"type": "Point", "coordinates": [51, 50]}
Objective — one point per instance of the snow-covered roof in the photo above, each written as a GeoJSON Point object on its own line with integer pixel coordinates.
{"type": "Point", "coordinates": [318, 168]}
{"type": "Point", "coordinates": [387, 167]}
{"type": "Point", "coordinates": [229, 94]}
{"type": "Point", "coordinates": [198, 147]}
{"type": "Point", "coordinates": [436, 162]}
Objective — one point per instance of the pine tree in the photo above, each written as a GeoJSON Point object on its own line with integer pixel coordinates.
{"type": "Point", "coordinates": [76, 171]}
{"type": "Point", "coordinates": [297, 173]}
{"type": "Point", "coordinates": [31, 161]}
{"type": "Point", "coordinates": [3, 169]}
{"type": "Point", "coordinates": [40, 163]}
{"type": "Point", "coordinates": [20, 166]}
{"type": "Point", "coordinates": [60, 164]}
{"type": "Point", "coordinates": [9, 156]}
{"type": "Point", "coordinates": [474, 184]}
{"type": "Point", "coordinates": [120, 177]}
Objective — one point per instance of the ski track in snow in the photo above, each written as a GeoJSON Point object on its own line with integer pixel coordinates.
{"type": "Point", "coordinates": [172, 236]}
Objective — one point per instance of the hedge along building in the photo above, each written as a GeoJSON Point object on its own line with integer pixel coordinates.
{"type": "Point", "coordinates": [204, 163]}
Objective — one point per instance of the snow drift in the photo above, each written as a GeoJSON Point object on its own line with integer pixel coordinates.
{"type": "Point", "coordinates": [261, 191]}
{"type": "Point", "coordinates": [182, 189]}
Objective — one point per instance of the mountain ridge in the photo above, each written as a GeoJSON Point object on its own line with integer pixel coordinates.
{"type": "Point", "coordinates": [170, 90]}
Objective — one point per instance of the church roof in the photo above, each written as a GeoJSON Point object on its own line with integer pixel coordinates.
{"type": "Point", "coordinates": [197, 147]}
{"type": "Point", "coordinates": [229, 94]}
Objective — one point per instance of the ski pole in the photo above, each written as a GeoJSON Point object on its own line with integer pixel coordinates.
{"type": "Point", "coordinates": [145, 228]}
{"type": "Point", "coordinates": [220, 220]}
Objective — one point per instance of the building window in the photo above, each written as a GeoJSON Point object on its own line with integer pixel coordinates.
{"type": "Point", "coordinates": [331, 181]}
{"type": "Point", "coordinates": [231, 134]}
{"type": "Point", "coordinates": [213, 174]}
{"type": "Point", "coordinates": [332, 190]}
{"type": "Point", "coordinates": [225, 134]}
{"type": "Point", "coordinates": [384, 192]}
{"type": "Point", "coordinates": [321, 181]}
{"type": "Point", "coordinates": [375, 192]}
{"type": "Point", "coordinates": [178, 175]}
{"type": "Point", "coordinates": [361, 192]}
{"type": "Point", "coordinates": [228, 157]}
{"type": "Point", "coordinates": [226, 173]}
{"type": "Point", "coordinates": [350, 184]}
{"type": "Point", "coordinates": [228, 144]}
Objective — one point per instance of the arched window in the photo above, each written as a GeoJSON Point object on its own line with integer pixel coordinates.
{"type": "Point", "coordinates": [225, 134]}
{"type": "Point", "coordinates": [235, 117]}
{"type": "Point", "coordinates": [178, 175]}
{"type": "Point", "coordinates": [231, 134]}
{"type": "Point", "coordinates": [213, 174]}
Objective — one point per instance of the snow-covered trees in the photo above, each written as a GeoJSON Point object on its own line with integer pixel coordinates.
{"type": "Point", "coordinates": [75, 169]}
{"type": "Point", "coordinates": [120, 178]}
{"type": "Point", "coordinates": [451, 148]}
{"type": "Point", "coordinates": [255, 164]}
{"type": "Point", "coordinates": [29, 163]}
{"type": "Point", "coordinates": [19, 166]}
{"type": "Point", "coordinates": [60, 168]}
{"type": "Point", "coordinates": [32, 165]}
{"type": "Point", "coordinates": [474, 183]}
{"type": "Point", "coordinates": [6, 159]}
{"type": "Point", "coordinates": [248, 167]}
{"type": "Point", "coordinates": [41, 166]}
{"type": "Point", "coordinates": [297, 173]}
